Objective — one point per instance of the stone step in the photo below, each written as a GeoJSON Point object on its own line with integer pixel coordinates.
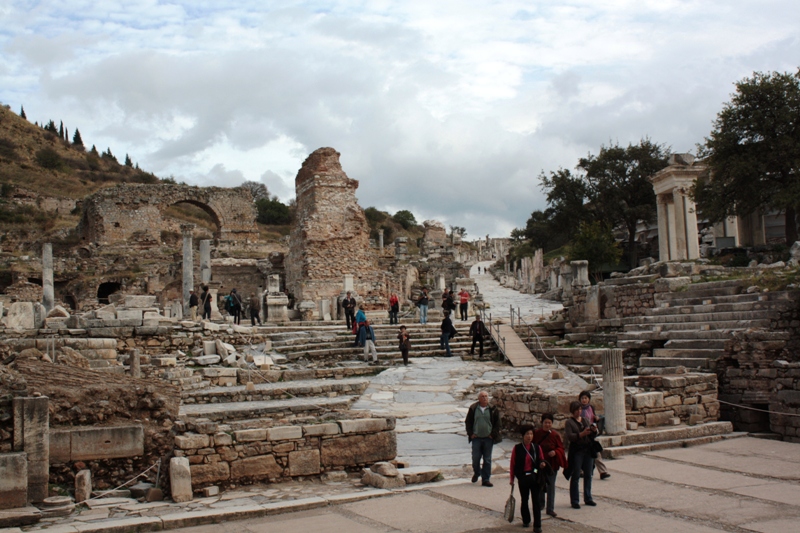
{"type": "Point", "coordinates": [732, 298]}
{"type": "Point", "coordinates": [698, 353]}
{"type": "Point", "coordinates": [673, 362]}
{"type": "Point", "coordinates": [717, 308]}
{"type": "Point", "coordinates": [670, 433]}
{"type": "Point", "coordinates": [705, 344]}
{"type": "Point", "coordinates": [349, 343]}
{"type": "Point", "coordinates": [717, 325]}
{"type": "Point", "coordinates": [670, 370]}
{"type": "Point", "coordinates": [703, 317]}
{"type": "Point", "coordinates": [231, 411]}
{"type": "Point", "coordinates": [271, 391]}
{"type": "Point", "coordinates": [685, 334]}
{"type": "Point", "coordinates": [621, 451]}
{"type": "Point", "coordinates": [635, 345]}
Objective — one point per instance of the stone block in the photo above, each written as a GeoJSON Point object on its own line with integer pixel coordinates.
{"type": "Point", "coordinates": [385, 468]}
{"type": "Point", "coordinates": [317, 430]}
{"type": "Point", "coordinates": [259, 467]}
{"type": "Point", "coordinates": [250, 435]}
{"type": "Point", "coordinates": [83, 485]}
{"type": "Point", "coordinates": [91, 444]}
{"type": "Point", "coordinates": [60, 446]}
{"type": "Point", "coordinates": [695, 419]}
{"type": "Point", "coordinates": [206, 428]}
{"type": "Point", "coordinates": [632, 426]}
{"type": "Point", "coordinates": [672, 382]}
{"type": "Point", "coordinates": [206, 360]}
{"type": "Point", "coordinates": [219, 372]}
{"type": "Point", "coordinates": [222, 350]}
{"type": "Point", "coordinates": [419, 474]}
{"type": "Point", "coordinates": [164, 361]}
{"type": "Point", "coordinates": [191, 441]}
{"type": "Point", "coordinates": [132, 317]}
{"type": "Point", "coordinates": [304, 463]}
{"type": "Point", "coordinates": [663, 418]}
{"type": "Point", "coordinates": [671, 284]}
{"type": "Point", "coordinates": [382, 482]}
{"type": "Point", "coordinates": [20, 316]}
{"type": "Point", "coordinates": [226, 382]}
{"type": "Point", "coordinates": [210, 473]}
{"type": "Point", "coordinates": [359, 449]}
{"type": "Point", "coordinates": [209, 348]}
{"type": "Point", "coordinates": [222, 439]}
{"type": "Point", "coordinates": [648, 400]}
{"type": "Point", "coordinates": [140, 301]}
{"type": "Point", "coordinates": [180, 478]}
{"type": "Point", "coordinates": [363, 425]}
{"type": "Point", "coordinates": [210, 491]}
{"type": "Point", "coordinates": [211, 326]}
{"type": "Point", "coordinates": [13, 480]}
{"type": "Point", "coordinates": [285, 433]}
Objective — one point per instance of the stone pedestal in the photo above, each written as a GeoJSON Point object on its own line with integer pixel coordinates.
{"type": "Point", "coordinates": [48, 295]}
{"type": "Point", "coordinates": [136, 368]}
{"type": "Point", "coordinates": [580, 271]}
{"type": "Point", "coordinates": [277, 307]}
{"type": "Point", "coordinates": [188, 266]}
{"type": "Point", "coordinates": [213, 291]}
{"type": "Point", "coordinates": [325, 309]}
{"type": "Point", "coordinates": [205, 261]}
{"type": "Point", "coordinates": [307, 310]}
{"type": "Point", "coordinates": [614, 392]}
{"type": "Point", "coordinates": [32, 436]}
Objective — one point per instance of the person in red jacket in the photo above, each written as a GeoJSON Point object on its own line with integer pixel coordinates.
{"type": "Point", "coordinates": [553, 450]}
{"type": "Point", "coordinates": [394, 307]}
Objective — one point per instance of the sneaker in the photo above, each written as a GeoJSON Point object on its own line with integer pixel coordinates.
{"type": "Point", "coordinates": [605, 475]}
{"type": "Point", "coordinates": [475, 478]}
{"type": "Point", "coordinates": [590, 504]}
{"type": "Point", "coordinates": [487, 484]}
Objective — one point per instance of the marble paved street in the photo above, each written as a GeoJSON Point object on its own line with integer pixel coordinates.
{"type": "Point", "coordinates": [500, 298]}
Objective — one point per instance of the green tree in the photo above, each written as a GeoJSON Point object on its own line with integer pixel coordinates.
{"type": "Point", "coordinates": [405, 218]}
{"type": "Point", "coordinates": [108, 155]}
{"type": "Point", "coordinates": [619, 189]}
{"type": "Point", "coordinates": [128, 162]}
{"type": "Point", "coordinates": [94, 151]}
{"type": "Point", "coordinates": [595, 243]}
{"type": "Point", "coordinates": [753, 152]}
{"type": "Point", "coordinates": [48, 158]}
{"type": "Point", "coordinates": [272, 211]}
{"type": "Point", "coordinates": [567, 197]}
{"type": "Point", "coordinates": [51, 127]}
{"type": "Point", "coordinates": [257, 190]}
{"type": "Point", "coordinates": [61, 129]}
{"type": "Point", "coordinates": [22, 112]}
{"type": "Point", "coordinates": [374, 216]}
{"type": "Point", "coordinates": [76, 139]}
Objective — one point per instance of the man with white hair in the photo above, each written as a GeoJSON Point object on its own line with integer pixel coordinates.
{"type": "Point", "coordinates": [483, 430]}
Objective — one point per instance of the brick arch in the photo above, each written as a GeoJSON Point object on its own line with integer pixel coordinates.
{"type": "Point", "coordinates": [117, 213]}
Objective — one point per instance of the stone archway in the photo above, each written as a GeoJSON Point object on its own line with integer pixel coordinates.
{"type": "Point", "coordinates": [116, 213]}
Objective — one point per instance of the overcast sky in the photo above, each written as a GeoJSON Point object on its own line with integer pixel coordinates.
{"type": "Point", "coordinates": [448, 108]}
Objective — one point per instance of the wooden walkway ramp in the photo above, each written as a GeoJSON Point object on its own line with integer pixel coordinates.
{"type": "Point", "coordinates": [513, 348]}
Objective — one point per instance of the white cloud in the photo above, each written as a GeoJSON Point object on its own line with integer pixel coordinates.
{"type": "Point", "coordinates": [450, 109]}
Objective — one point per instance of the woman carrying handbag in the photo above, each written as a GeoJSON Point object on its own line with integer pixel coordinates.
{"type": "Point", "coordinates": [527, 461]}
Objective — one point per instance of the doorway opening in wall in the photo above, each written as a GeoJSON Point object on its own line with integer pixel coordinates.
{"type": "Point", "coordinates": [71, 302]}
{"type": "Point", "coordinates": [105, 290]}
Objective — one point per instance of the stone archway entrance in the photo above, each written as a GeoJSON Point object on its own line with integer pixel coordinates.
{"type": "Point", "coordinates": [117, 213]}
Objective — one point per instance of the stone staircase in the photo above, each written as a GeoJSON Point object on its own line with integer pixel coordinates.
{"type": "Point", "coordinates": [689, 328]}
{"type": "Point", "coordinates": [662, 438]}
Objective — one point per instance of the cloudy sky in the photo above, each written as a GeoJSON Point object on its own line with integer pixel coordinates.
{"type": "Point", "coordinates": [450, 109]}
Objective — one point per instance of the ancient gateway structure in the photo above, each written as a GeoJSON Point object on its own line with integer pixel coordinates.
{"type": "Point", "coordinates": [117, 214]}
{"type": "Point", "coordinates": [330, 238]}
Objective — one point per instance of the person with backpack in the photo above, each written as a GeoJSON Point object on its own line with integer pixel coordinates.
{"type": "Point", "coordinates": [205, 299]}
{"type": "Point", "coordinates": [448, 332]}
{"type": "Point", "coordinates": [235, 306]}
{"type": "Point", "coordinates": [587, 412]}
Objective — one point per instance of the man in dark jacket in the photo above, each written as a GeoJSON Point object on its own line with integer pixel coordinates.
{"type": "Point", "coordinates": [193, 302]}
{"type": "Point", "coordinates": [255, 309]}
{"type": "Point", "coordinates": [483, 430]}
{"type": "Point", "coordinates": [477, 331]}
{"type": "Point", "coordinates": [349, 307]}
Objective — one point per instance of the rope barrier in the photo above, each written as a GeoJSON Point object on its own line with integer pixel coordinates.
{"type": "Point", "coordinates": [753, 408]}
{"type": "Point", "coordinates": [103, 493]}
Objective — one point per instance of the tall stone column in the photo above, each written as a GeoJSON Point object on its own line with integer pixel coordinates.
{"type": "Point", "coordinates": [380, 240]}
{"type": "Point", "coordinates": [205, 261]}
{"type": "Point", "coordinates": [188, 266]}
{"type": "Point", "coordinates": [32, 436]}
{"type": "Point", "coordinates": [663, 228]}
{"type": "Point", "coordinates": [48, 296]}
{"type": "Point", "coordinates": [614, 392]}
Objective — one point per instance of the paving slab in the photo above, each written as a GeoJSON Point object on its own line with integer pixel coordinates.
{"type": "Point", "coordinates": [778, 466]}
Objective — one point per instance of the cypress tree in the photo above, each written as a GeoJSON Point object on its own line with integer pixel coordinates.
{"type": "Point", "coordinates": [128, 162]}
{"type": "Point", "coordinates": [61, 129]}
{"type": "Point", "coordinates": [22, 112]}
{"type": "Point", "coordinates": [76, 139]}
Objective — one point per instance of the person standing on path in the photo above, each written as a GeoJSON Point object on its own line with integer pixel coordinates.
{"type": "Point", "coordinates": [448, 332]}
{"type": "Point", "coordinates": [255, 309]}
{"type": "Point", "coordinates": [405, 344]}
{"type": "Point", "coordinates": [422, 303]}
{"type": "Point", "coordinates": [526, 462]}
{"type": "Point", "coordinates": [205, 298]}
{"type": "Point", "coordinates": [193, 301]}
{"type": "Point", "coordinates": [587, 413]}
{"type": "Point", "coordinates": [236, 306]}
{"type": "Point", "coordinates": [477, 331]}
{"type": "Point", "coordinates": [553, 450]}
{"type": "Point", "coordinates": [394, 307]}
{"type": "Point", "coordinates": [463, 303]}
{"type": "Point", "coordinates": [367, 335]}
{"type": "Point", "coordinates": [483, 430]}
{"type": "Point", "coordinates": [349, 307]}
{"type": "Point", "coordinates": [578, 433]}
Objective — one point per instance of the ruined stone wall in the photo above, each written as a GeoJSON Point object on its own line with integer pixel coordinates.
{"type": "Point", "coordinates": [522, 406]}
{"type": "Point", "coordinates": [330, 237]}
{"type": "Point", "coordinates": [81, 397]}
{"type": "Point", "coordinates": [118, 214]}
{"type": "Point", "coordinates": [279, 453]}
{"type": "Point", "coordinates": [670, 400]}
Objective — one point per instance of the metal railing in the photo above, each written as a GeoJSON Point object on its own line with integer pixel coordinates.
{"type": "Point", "coordinates": [532, 346]}
{"type": "Point", "coordinates": [494, 332]}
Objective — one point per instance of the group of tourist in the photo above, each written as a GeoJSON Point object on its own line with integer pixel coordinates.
{"type": "Point", "coordinates": [536, 461]}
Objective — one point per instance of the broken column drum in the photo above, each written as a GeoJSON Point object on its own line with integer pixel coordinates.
{"type": "Point", "coordinates": [48, 295]}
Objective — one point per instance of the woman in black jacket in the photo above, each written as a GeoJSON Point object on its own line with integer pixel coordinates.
{"type": "Point", "coordinates": [526, 461]}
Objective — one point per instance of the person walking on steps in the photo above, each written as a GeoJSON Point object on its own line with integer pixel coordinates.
{"type": "Point", "coordinates": [483, 431]}
{"type": "Point", "coordinates": [422, 303]}
{"type": "Point", "coordinates": [477, 331]}
{"type": "Point", "coordinates": [349, 308]}
{"type": "Point", "coordinates": [463, 303]}
{"type": "Point", "coordinates": [405, 344]}
{"type": "Point", "coordinates": [448, 332]}
{"type": "Point", "coordinates": [366, 336]}
{"type": "Point", "coordinates": [394, 307]}
{"type": "Point", "coordinates": [255, 309]}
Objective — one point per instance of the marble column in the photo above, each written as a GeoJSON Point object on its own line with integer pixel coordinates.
{"type": "Point", "coordinates": [188, 266]}
{"type": "Point", "coordinates": [380, 240]}
{"type": "Point", "coordinates": [663, 228]}
{"type": "Point", "coordinates": [136, 367]}
{"type": "Point", "coordinates": [48, 296]}
{"type": "Point", "coordinates": [614, 392]}
{"type": "Point", "coordinates": [32, 436]}
{"type": "Point", "coordinates": [205, 261]}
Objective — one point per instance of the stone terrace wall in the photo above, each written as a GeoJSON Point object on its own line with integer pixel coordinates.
{"type": "Point", "coordinates": [330, 237]}
{"type": "Point", "coordinates": [219, 457]}
{"type": "Point", "coordinates": [785, 403]}
{"type": "Point", "coordinates": [521, 407]}
{"type": "Point", "coordinates": [671, 400]}
{"type": "Point", "coordinates": [115, 214]}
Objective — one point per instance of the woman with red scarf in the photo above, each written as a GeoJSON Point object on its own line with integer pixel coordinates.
{"type": "Point", "coordinates": [553, 450]}
{"type": "Point", "coordinates": [527, 459]}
